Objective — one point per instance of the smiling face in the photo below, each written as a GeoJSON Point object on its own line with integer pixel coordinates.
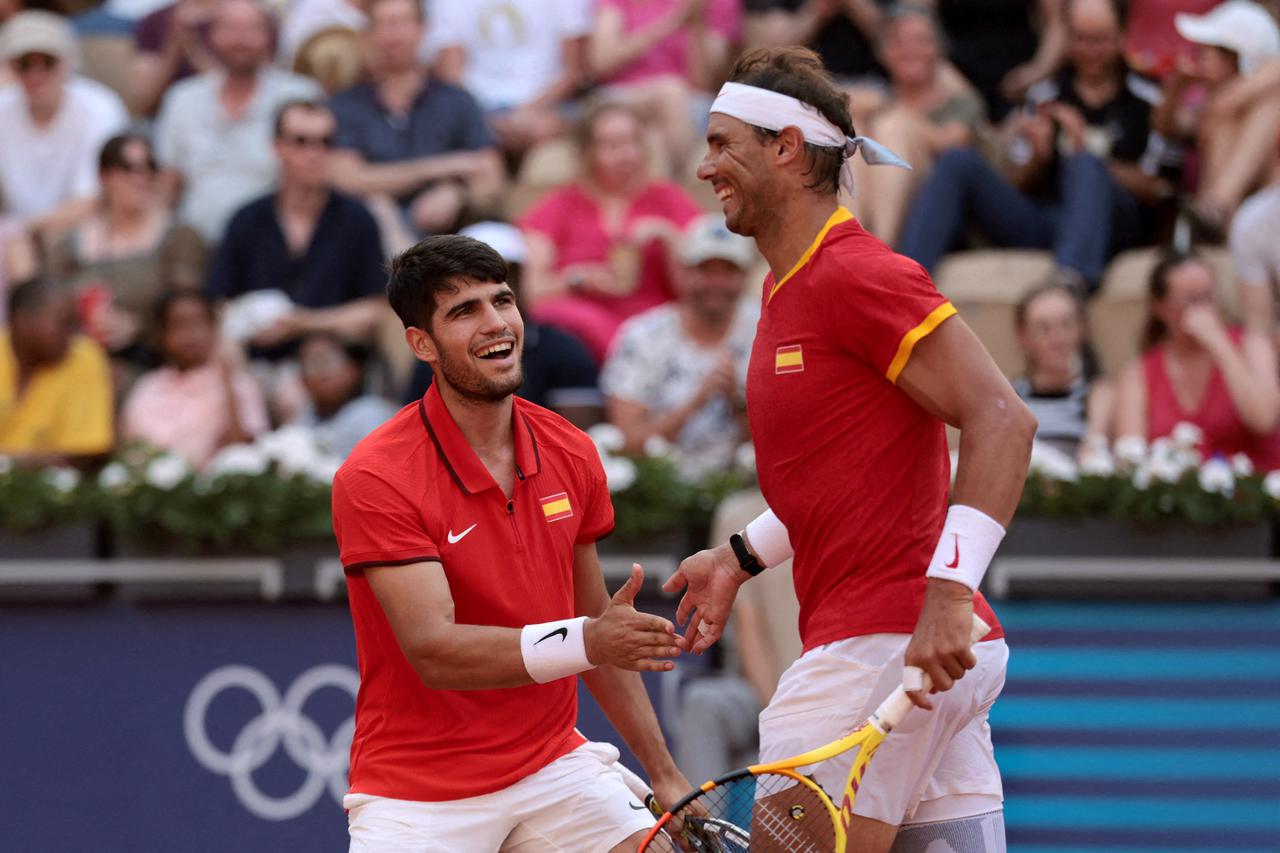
{"type": "Point", "coordinates": [475, 340]}
{"type": "Point", "coordinates": [910, 50]}
{"type": "Point", "coordinates": [737, 168]}
{"type": "Point", "coordinates": [1052, 333]}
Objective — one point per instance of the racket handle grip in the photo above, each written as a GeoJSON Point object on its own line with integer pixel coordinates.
{"type": "Point", "coordinates": [896, 706]}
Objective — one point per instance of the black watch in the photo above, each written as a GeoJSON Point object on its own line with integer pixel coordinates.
{"type": "Point", "coordinates": [746, 560]}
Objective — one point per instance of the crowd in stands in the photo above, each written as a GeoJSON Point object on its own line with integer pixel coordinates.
{"type": "Point", "coordinates": [197, 199]}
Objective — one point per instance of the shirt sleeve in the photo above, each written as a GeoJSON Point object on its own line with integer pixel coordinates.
{"type": "Point", "coordinates": [251, 405]}
{"type": "Point", "coordinates": [375, 524]}
{"type": "Point", "coordinates": [724, 17]}
{"type": "Point", "coordinates": [883, 310]}
{"type": "Point", "coordinates": [90, 425]}
{"type": "Point", "coordinates": [347, 118]}
{"type": "Point", "coordinates": [368, 278]}
{"type": "Point", "coordinates": [471, 131]}
{"type": "Point", "coordinates": [226, 273]}
{"type": "Point", "coordinates": [544, 216]}
{"type": "Point", "coordinates": [1249, 240]}
{"type": "Point", "coordinates": [597, 511]}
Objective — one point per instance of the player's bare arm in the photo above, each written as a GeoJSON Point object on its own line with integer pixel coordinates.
{"type": "Point", "coordinates": [448, 656]}
{"type": "Point", "coordinates": [620, 693]}
{"type": "Point", "coordinates": [951, 376]}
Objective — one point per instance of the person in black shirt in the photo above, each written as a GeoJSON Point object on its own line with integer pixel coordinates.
{"type": "Point", "coordinates": [1083, 166]}
{"type": "Point", "coordinates": [321, 248]}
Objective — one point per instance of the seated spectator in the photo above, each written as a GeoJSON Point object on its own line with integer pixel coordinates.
{"type": "Point", "coordinates": [1235, 125]}
{"type": "Point", "coordinates": [305, 19]}
{"type": "Point", "coordinates": [170, 44]}
{"type": "Point", "coordinates": [338, 410]}
{"type": "Point", "coordinates": [407, 135]}
{"type": "Point", "coordinates": [1073, 408]}
{"type": "Point", "coordinates": [54, 123]}
{"type": "Point", "coordinates": [1255, 253]}
{"type": "Point", "coordinates": [678, 372]}
{"type": "Point", "coordinates": [214, 129]}
{"type": "Point", "coordinates": [559, 373]}
{"type": "Point", "coordinates": [202, 398]}
{"type": "Point", "coordinates": [842, 33]}
{"type": "Point", "coordinates": [523, 60]}
{"type": "Point", "coordinates": [667, 57]}
{"type": "Point", "coordinates": [927, 113]}
{"type": "Point", "coordinates": [129, 252]}
{"type": "Point", "coordinates": [320, 247]}
{"type": "Point", "coordinates": [1194, 369]}
{"type": "Point", "coordinates": [56, 401]}
{"type": "Point", "coordinates": [1081, 175]}
{"type": "Point", "coordinates": [598, 247]}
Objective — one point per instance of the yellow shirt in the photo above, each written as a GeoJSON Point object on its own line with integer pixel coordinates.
{"type": "Point", "coordinates": [66, 408]}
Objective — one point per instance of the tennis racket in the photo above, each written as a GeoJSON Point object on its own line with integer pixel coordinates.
{"type": "Point", "coordinates": [773, 808]}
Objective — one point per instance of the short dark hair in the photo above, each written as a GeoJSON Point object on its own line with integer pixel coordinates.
{"type": "Point", "coordinates": [309, 105]}
{"type": "Point", "coordinates": [799, 72]}
{"type": "Point", "coordinates": [172, 297]}
{"type": "Point", "coordinates": [584, 130]}
{"type": "Point", "coordinates": [33, 294]}
{"type": "Point", "coordinates": [353, 351]}
{"type": "Point", "coordinates": [111, 156]}
{"type": "Point", "coordinates": [434, 266]}
{"type": "Point", "coordinates": [1051, 286]}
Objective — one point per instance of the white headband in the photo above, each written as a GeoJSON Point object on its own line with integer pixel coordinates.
{"type": "Point", "coordinates": [774, 111]}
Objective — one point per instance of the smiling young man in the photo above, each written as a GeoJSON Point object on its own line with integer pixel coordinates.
{"type": "Point", "coordinates": [858, 361]}
{"type": "Point", "coordinates": [467, 525]}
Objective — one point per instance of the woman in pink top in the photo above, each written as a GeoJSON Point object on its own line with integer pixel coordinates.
{"type": "Point", "coordinates": [599, 247]}
{"type": "Point", "coordinates": [1196, 369]}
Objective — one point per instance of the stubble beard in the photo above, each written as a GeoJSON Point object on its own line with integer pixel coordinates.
{"type": "Point", "coordinates": [474, 386]}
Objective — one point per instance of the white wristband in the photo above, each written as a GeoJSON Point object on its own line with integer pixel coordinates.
{"type": "Point", "coordinates": [554, 650]}
{"type": "Point", "coordinates": [769, 539]}
{"type": "Point", "coordinates": [969, 541]}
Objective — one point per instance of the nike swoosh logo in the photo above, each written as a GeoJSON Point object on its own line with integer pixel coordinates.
{"type": "Point", "coordinates": [636, 806]}
{"type": "Point", "coordinates": [563, 632]}
{"type": "Point", "coordinates": [955, 561]}
{"type": "Point", "coordinates": [454, 539]}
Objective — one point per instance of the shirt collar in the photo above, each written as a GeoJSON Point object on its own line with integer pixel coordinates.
{"type": "Point", "coordinates": [468, 471]}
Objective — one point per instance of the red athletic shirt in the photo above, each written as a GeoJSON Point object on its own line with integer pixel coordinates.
{"type": "Point", "coordinates": [413, 491]}
{"type": "Point", "coordinates": [856, 470]}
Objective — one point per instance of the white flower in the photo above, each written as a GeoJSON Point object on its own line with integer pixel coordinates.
{"type": "Point", "coordinates": [1242, 465]}
{"type": "Point", "coordinates": [1096, 461]}
{"type": "Point", "coordinates": [608, 438]}
{"type": "Point", "coordinates": [167, 471]}
{"type": "Point", "coordinates": [1131, 449]}
{"type": "Point", "coordinates": [1167, 467]}
{"type": "Point", "coordinates": [1142, 478]}
{"type": "Point", "coordinates": [1053, 463]}
{"type": "Point", "coordinates": [1186, 435]}
{"type": "Point", "coordinates": [1271, 485]}
{"type": "Point", "coordinates": [6, 465]}
{"type": "Point", "coordinates": [657, 446]}
{"type": "Point", "coordinates": [620, 472]}
{"type": "Point", "coordinates": [62, 479]}
{"type": "Point", "coordinates": [323, 469]}
{"type": "Point", "coordinates": [295, 448]}
{"type": "Point", "coordinates": [238, 459]}
{"type": "Point", "coordinates": [113, 477]}
{"type": "Point", "coordinates": [745, 456]}
{"type": "Point", "coordinates": [1216, 476]}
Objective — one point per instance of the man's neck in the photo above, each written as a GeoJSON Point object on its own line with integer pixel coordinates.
{"type": "Point", "coordinates": [398, 89]}
{"type": "Point", "coordinates": [237, 91]}
{"type": "Point", "coordinates": [42, 114]}
{"type": "Point", "coordinates": [1099, 89]}
{"type": "Point", "coordinates": [486, 426]}
{"type": "Point", "coordinates": [302, 201]}
{"type": "Point", "coordinates": [1045, 380]}
{"type": "Point", "coordinates": [792, 228]}
{"type": "Point", "coordinates": [701, 329]}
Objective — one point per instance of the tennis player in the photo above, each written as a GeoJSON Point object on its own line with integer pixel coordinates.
{"type": "Point", "coordinates": [858, 363]}
{"type": "Point", "coordinates": [467, 526]}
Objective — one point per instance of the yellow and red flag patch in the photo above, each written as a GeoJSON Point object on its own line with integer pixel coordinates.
{"type": "Point", "coordinates": [557, 507]}
{"type": "Point", "coordinates": [789, 359]}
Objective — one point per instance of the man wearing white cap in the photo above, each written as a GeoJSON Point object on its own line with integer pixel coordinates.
{"type": "Point", "coordinates": [678, 372]}
{"type": "Point", "coordinates": [857, 364]}
{"type": "Point", "coordinates": [53, 124]}
{"type": "Point", "coordinates": [1237, 129]}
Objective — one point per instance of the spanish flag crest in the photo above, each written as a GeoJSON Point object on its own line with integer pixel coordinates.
{"type": "Point", "coordinates": [557, 507]}
{"type": "Point", "coordinates": [789, 359]}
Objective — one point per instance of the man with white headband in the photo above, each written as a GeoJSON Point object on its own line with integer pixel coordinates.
{"type": "Point", "coordinates": [858, 362]}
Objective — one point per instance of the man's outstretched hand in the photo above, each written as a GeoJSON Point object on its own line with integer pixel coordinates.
{"type": "Point", "coordinates": [710, 579]}
{"type": "Point", "coordinates": [628, 639]}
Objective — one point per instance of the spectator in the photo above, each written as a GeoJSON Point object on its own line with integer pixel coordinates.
{"type": "Point", "coordinates": [130, 251]}
{"type": "Point", "coordinates": [1235, 127]}
{"type": "Point", "coordinates": [524, 61]}
{"type": "Point", "coordinates": [667, 57]}
{"type": "Point", "coordinates": [202, 398]}
{"type": "Point", "coordinates": [170, 44]}
{"type": "Point", "coordinates": [338, 410]}
{"type": "Point", "coordinates": [320, 247]}
{"type": "Point", "coordinates": [1194, 369]}
{"type": "Point", "coordinates": [1255, 253]}
{"type": "Point", "coordinates": [928, 112]}
{"type": "Point", "coordinates": [214, 129]}
{"type": "Point", "coordinates": [307, 18]}
{"type": "Point", "coordinates": [410, 136]}
{"type": "Point", "coordinates": [841, 31]}
{"type": "Point", "coordinates": [559, 373]}
{"type": "Point", "coordinates": [54, 122]}
{"type": "Point", "coordinates": [55, 386]}
{"type": "Point", "coordinates": [1082, 167]}
{"type": "Point", "coordinates": [678, 372]}
{"type": "Point", "coordinates": [1073, 408]}
{"type": "Point", "coordinates": [597, 247]}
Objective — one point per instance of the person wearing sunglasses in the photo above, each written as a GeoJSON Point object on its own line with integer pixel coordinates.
{"type": "Point", "coordinates": [54, 122]}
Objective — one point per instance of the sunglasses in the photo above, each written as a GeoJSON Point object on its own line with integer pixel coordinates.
{"type": "Point", "coordinates": [35, 62]}
{"type": "Point", "coordinates": [145, 167]}
{"type": "Point", "coordinates": [302, 141]}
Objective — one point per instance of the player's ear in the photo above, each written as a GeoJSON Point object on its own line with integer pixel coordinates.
{"type": "Point", "coordinates": [423, 346]}
{"type": "Point", "coordinates": [789, 145]}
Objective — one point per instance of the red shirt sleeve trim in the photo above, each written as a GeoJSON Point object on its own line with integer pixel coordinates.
{"type": "Point", "coordinates": [589, 538]}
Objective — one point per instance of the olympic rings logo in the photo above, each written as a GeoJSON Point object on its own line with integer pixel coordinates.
{"type": "Point", "coordinates": [281, 722]}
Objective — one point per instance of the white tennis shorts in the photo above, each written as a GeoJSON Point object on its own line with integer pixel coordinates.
{"type": "Point", "coordinates": [578, 803]}
{"type": "Point", "coordinates": [936, 765]}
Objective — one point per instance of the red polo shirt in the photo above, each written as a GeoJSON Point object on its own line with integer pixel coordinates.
{"type": "Point", "coordinates": [856, 470]}
{"type": "Point", "coordinates": [414, 491]}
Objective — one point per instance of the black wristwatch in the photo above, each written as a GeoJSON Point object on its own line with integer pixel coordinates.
{"type": "Point", "coordinates": [746, 560]}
